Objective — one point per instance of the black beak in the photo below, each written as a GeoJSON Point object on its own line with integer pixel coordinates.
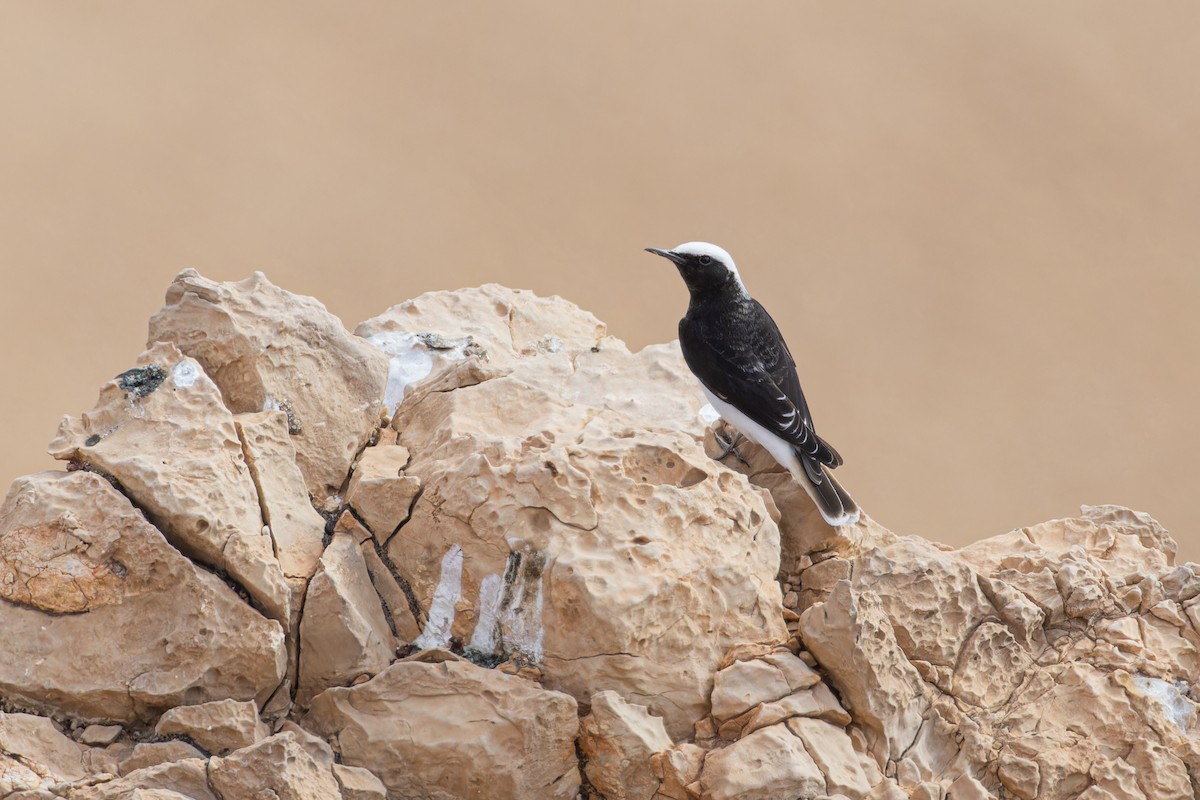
{"type": "Point", "coordinates": [678, 259]}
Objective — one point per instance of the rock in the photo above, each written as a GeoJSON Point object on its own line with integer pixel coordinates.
{"type": "Point", "coordinates": [295, 526]}
{"type": "Point", "coordinates": [831, 749]}
{"type": "Point", "coordinates": [98, 760]}
{"type": "Point", "coordinates": [166, 781]}
{"type": "Point", "coordinates": [931, 598]}
{"type": "Point", "coordinates": [501, 736]}
{"type": "Point", "coordinates": [494, 322]}
{"type": "Point", "coordinates": [745, 684]}
{"type": "Point", "coordinates": [218, 727]}
{"type": "Point", "coordinates": [202, 498]}
{"type": "Point", "coordinates": [100, 734]}
{"type": "Point", "coordinates": [76, 559]}
{"type": "Point", "coordinates": [618, 740]}
{"type": "Point", "coordinates": [542, 502]}
{"type": "Point", "coordinates": [676, 768]}
{"type": "Point", "coordinates": [885, 691]}
{"type": "Point", "coordinates": [570, 530]}
{"type": "Point", "coordinates": [768, 764]}
{"type": "Point", "coordinates": [344, 632]}
{"type": "Point", "coordinates": [151, 754]}
{"type": "Point", "coordinates": [379, 492]}
{"type": "Point", "coordinates": [34, 754]}
{"type": "Point", "coordinates": [817, 702]}
{"type": "Point", "coordinates": [280, 766]}
{"type": "Point", "coordinates": [270, 349]}
{"type": "Point", "coordinates": [357, 783]}
{"type": "Point", "coordinates": [398, 606]}
{"type": "Point", "coordinates": [1019, 775]}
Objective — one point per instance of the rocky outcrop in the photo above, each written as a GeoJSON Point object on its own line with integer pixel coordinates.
{"type": "Point", "coordinates": [581, 530]}
{"type": "Point", "coordinates": [267, 348]}
{"type": "Point", "coordinates": [219, 727]}
{"type": "Point", "coordinates": [202, 496]}
{"type": "Point", "coordinates": [499, 736]}
{"type": "Point", "coordinates": [85, 579]}
{"type": "Point", "coordinates": [34, 754]}
{"type": "Point", "coordinates": [480, 548]}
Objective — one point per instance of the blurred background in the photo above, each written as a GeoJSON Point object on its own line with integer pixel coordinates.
{"type": "Point", "coordinates": [976, 224]}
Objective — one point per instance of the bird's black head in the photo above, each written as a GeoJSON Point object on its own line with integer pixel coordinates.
{"type": "Point", "coordinates": [706, 269]}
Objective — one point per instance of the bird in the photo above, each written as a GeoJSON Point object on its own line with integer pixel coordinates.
{"type": "Point", "coordinates": [734, 348]}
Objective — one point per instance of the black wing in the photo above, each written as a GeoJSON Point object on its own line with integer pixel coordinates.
{"type": "Point", "coordinates": [742, 358]}
{"type": "Point", "coordinates": [782, 368]}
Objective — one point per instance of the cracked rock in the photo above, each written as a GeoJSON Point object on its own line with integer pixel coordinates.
{"type": "Point", "coordinates": [166, 781]}
{"type": "Point", "coordinates": [80, 565]}
{"type": "Point", "coordinates": [278, 767]}
{"type": "Point", "coordinates": [379, 491]}
{"type": "Point", "coordinates": [618, 739]}
{"type": "Point", "coordinates": [34, 754]}
{"type": "Point", "coordinates": [540, 524]}
{"type": "Point", "coordinates": [344, 633]}
{"type": "Point", "coordinates": [267, 348]}
{"type": "Point", "coordinates": [218, 727]}
{"type": "Point", "coordinates": [202, 496]}
{"type": "Point", "coordinates": [501, 736]}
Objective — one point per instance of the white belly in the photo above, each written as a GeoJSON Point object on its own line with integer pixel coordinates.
{"type": "Point", "coordinates": [780, 449]}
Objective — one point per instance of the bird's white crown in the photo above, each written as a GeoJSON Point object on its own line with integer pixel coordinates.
{"type": "Point", "coordinates": [714, 252]}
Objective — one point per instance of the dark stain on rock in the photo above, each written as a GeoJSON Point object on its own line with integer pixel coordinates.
{"type": "Point", "coordinates": [295, 427]}
{"type": "Point", "coordinates": [141, 381]}
{"type": "Point", "coordinates": [92, 440]}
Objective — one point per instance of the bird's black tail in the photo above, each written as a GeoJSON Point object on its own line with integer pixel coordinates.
{"type": "Point", "coordinates": [835, 503]}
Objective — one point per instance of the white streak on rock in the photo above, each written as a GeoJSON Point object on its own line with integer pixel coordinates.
{"type": "Point", "coordinates": [522, 620]}
{"type": "Point", "coordinates": [185, 374]}
{"type": "Point", "coordinates": [410, 363]}
{"type": "Point", "coordinates": [1175, 706]}
{"type": "Point", "coordinates": [483, 639]}
{"type": "Point", "coordinates": [445, 597]}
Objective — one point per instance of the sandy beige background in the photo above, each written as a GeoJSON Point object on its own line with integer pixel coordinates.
{"type": "Point", "coordinates": [976, 223]}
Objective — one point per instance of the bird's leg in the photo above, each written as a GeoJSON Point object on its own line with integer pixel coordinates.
{"type": "Point", "coordinates": [729, 447]}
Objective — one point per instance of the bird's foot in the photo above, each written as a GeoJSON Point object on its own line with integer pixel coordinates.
{"type": "Point", "coordinates": [729, 448]}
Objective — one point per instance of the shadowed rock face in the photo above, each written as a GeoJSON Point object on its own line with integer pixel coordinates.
{"type": "Point", "coordinates": [530, 580]}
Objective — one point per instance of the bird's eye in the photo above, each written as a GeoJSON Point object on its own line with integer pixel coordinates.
{"type": "Point", "coordinates": [706, 260]}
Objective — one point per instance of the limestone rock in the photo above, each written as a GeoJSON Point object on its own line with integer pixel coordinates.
{"type": "Point", "coordinates": [218, 727]}
{"type": "Point", "coordinates": [296, 527]}
{"type": "Point", "coordinates": [501, 736]}
{"type": "Point", "coordinates": [571, 530]}
{"type": "Point", "coordinates": [618, 739]}
{"type": "Point", "coordinates": [280, 766]}
{"type": "Point", "coordinates": [344, 633]}
{"type": "Point", "coordinates": [100, 734]}
{"type": "Point", "coordinates": [34, 754]}
{"type": "Point", "coordinates": [545, 502]}
{"type": "Point", "coordinates": [202, 497]}
{"type": "Point", "coordinates": [357, 783]}
{"type": "Point", "coordinates": [151, 754]}
{"type": "Point", "coordinates": [379, 491]}
{"type": "Point", "coordinates": [885, 690]}
{"type": "Point", "coordinates": [768, 764]}
{"type": "Point", "coordinates": [77, 559]}
{"type": "Point", "coordinates": [677, 768]}
{"type": "Point", "coordinates": [745, 684]}
{"type": "Point", "coordinates": [167, 781]}
{"type": "Point", "coordinates": [397, 605]}
{"type": "Point", "coordinates": [831, 749]}
{"type": "Point", "coordinates": [267, 348]}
